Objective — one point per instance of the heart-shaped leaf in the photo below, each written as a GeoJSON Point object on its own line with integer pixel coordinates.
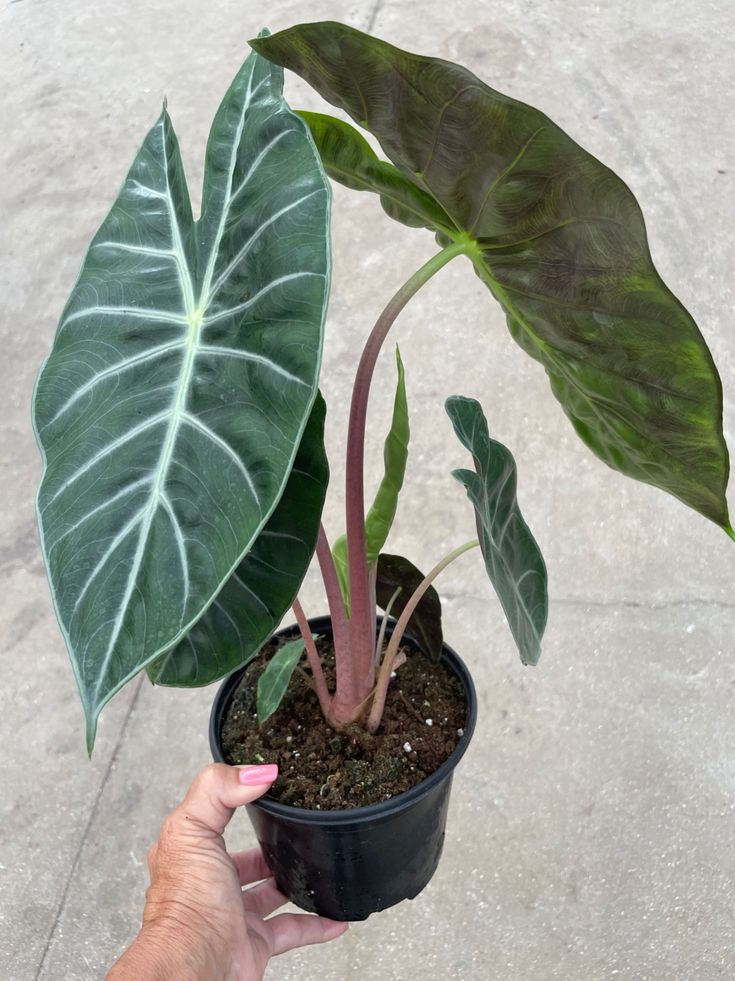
{"type": "Point", "coordinates": [274, 681]}
{"type": "Point", "coordinates": [180, 382]}
{"type": "Point", "coordinates": [512, 558]}
{"type": "Point", "coordinates": [425, 625]}
{"type": "Point", "coordinates": [254, 599]}
{"type": "Point", "coordinates": [379, 520]}
{"type": "Point", "coordinates": [555, 235]}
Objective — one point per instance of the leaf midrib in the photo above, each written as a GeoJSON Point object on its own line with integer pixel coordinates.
{"type": "Point", "coordinates": [205, 296]}
{"type": "Point", "coordinates": [191, 344]}
{"type": "Point", "coordinates": [496, 541]}
{"type": "Point", "coordinates": [195, 311]}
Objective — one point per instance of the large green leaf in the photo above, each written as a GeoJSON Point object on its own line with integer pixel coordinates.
{"type": "Point", "coordinates": [254, 599]}
{"type": "Point", "coordinates": [512, 558]}
{"type": "Point", "coordinates": [180, 382]}
{"type": "Point", "coordinates": [395, 572]}
{"type": "Point", "coordinates": [556, 236]}
{"type": "Point", "coordinates": [379, 520]}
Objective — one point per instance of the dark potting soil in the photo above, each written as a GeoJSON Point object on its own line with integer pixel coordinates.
{"type": "Point", "coordinates": [321, 769]}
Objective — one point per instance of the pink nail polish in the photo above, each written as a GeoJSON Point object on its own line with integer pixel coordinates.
{"type": "Point", "coordinates": [254, 776]}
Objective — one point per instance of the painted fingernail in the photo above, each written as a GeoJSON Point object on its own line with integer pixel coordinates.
{"type": "Point", "coordinates": [257, 775]}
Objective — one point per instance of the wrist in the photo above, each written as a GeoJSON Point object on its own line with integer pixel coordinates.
{"type": "Point", "coordinates": [155, 955]}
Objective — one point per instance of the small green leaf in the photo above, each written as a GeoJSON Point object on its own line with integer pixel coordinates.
{"type": "Point", "coordinates": [380, 517]}
{"type": "Point", "coordinates": [274, 681]}
{"type": "Point", "coordinates": [395, 453]}
{"type": "Point", "coordinates": [512, 558]}
{"type": "Point", "coordinates": [349, 159]}
{"type": "Point", "coordinates": [339, 554]}
{"type": "Point", "coordinates": [426, 622]}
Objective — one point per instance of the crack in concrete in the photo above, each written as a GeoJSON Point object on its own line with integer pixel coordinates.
{"type": "Point", "coordinates": [628, 136]}
{"type": "Point", "coordinates": [87, 829]}
{"type": "Point", "coordinates": [374, 15]}
{"type": "Point", "coordinates": [635, 604]}
{"type": "Point", "coordinates": [610, 604]}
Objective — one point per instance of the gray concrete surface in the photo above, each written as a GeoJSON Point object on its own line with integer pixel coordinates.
{"type": "Point", "coordinates": [592, 825]}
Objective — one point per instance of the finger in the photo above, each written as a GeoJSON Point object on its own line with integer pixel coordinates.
{"type": "Point", "coordinates": [290, 930]}
{"type": "Point", "coordinates": [263, 899]}
{"type": "Point", "coordinates": [212, 798]}
{"type": "Point", "coordinates": [251, 866]}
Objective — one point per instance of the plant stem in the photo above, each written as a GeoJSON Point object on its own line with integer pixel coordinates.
{"type": "Point", "coordinates": [340, 630]}
{"type": "Point", "coordinates": [344, 700]}
{"type": "Point", "coordinates": [362, 610]}
{"type": "Point", "coordinates": [384, 624]}
{"type": "Point", "coordinates": [320, 684]}
{"type": "Point", "coordinates": [381, 689]}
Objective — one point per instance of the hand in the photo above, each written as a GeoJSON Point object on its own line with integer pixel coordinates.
{"type": "Point", "coordinates": [199, 924]}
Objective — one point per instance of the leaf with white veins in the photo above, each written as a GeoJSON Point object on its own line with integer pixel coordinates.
{"type": "Point", "coordinates": [512, 558]}
{"type": "Point", "coordinates": [254, 599]}
{"type": "Point", "coordinates": [180, 382]}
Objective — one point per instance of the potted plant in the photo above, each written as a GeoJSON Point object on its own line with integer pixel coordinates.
{"type": "Point", "coordinates": [182, 427]}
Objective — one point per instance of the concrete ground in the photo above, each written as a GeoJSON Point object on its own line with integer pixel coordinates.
{"type": "Point", "coordinates": [592, 827]}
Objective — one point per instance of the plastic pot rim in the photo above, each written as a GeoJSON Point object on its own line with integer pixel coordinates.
{"type": "Point", "coordinates": [367, 812]}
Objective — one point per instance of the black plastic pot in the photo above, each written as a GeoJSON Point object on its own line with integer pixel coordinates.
{"type": "Point", "coordinates": [351, 863]}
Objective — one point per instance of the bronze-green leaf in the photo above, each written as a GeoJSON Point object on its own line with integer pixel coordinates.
{"type": "Point", "coordinates": [555, 235]}
{"type": "Point", "coordinates": [425, 624]}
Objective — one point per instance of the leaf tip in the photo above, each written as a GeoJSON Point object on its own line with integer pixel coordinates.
{"type": "Point", "coordinates": [729, 531]}
{"type": "Point", "coordinates": [454, 405]}
{"type": "Point", "coordinates": [531, 658]}
{"type": "Point", "coordinates": [261, 35]}
{"type": "Point", "coordinates": [91, 733]}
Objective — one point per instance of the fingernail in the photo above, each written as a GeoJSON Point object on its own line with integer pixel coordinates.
{"type": "Point", "coordinates": [258, 775]}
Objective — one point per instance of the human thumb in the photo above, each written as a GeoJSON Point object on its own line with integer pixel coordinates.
{"type": "Point", "coordinates": [219, 789]}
